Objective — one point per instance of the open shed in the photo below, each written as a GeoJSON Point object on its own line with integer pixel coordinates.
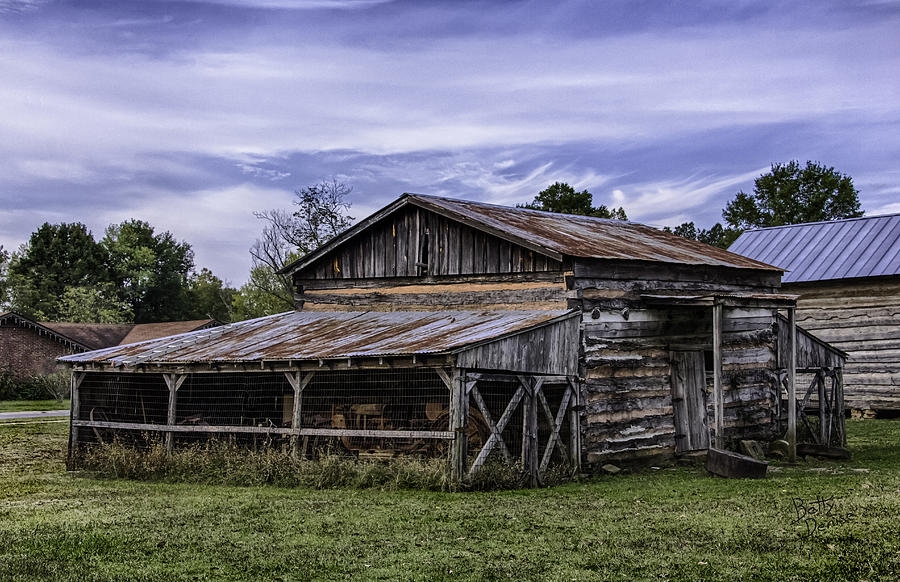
{"type": "Point", "coordinates": [461, 383]}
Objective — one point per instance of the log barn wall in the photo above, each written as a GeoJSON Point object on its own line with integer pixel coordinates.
{"type": "Point", "coordinates": [626, 375]}
{"type": "Point", "coordinates": [862, 318]}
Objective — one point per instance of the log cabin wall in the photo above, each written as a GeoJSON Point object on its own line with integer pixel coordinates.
{"type": "Point", "coordinates": [415, 259]}
{"type": "Point", "coordinates": [627, 362]}
{"type": "Point", "coordinates": [859, 316]}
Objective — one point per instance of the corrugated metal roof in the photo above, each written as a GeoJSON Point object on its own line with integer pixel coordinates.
{"type": "Point", "coordinates": [838, 249]}
{"type": "Point", "coordinates": [304, 335]}
{"type": "Point", "coordinates": [557, 234]}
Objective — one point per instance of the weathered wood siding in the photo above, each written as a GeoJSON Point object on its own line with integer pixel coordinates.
{"type": "Point", "coordinates": [628, 385]}
{"type": "Point", "coordinates": [551, 349]}
{"type": "Point", "coordinates": [861, 317]}
{"type": "Point", "coordinates": [535, 291]}
{"type": "Point", "coordinates": [400, 244]}
{"type": "Point", "coordinates": [620, 284]}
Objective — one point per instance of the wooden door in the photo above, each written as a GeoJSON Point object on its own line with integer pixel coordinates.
{"type": "Point", "coordinates": [689, 401]}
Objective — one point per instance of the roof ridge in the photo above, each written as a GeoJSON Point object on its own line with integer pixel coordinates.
{"type": "Point", "coordinates": [523, 209]}
{"type": "Point", "coordinates": [836, 220]}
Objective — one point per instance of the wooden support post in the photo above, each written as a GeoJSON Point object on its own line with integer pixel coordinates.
{"type": "Point", "coordinates": [575, 426]}
{"type": "Point", "coordinates": [459, 418]}
{"type": "Point", "coordinates": [74, 412]}
{"type": "Point", "coordinates": [842, 423]}
{"type": "Point", "coordinates": [718, 391]}
{"type": "Point", "coordinates": [298, 383]}
{"type": "Point", "coordinates": [823, 416]}
{"type": "Point", "coordinates": [174, 382]}
{"type": "Point", "coordinates": [530, 453]}
{"type": "Point", "coordinates": [792, 385]}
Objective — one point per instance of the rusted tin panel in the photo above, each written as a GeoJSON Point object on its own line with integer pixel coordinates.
{"type": "Point", "coordinates": [584, 236]}
{"type": "Point", "coordinates": [321, 335]}
{"type": "Point", "coordinates": [551, 234]}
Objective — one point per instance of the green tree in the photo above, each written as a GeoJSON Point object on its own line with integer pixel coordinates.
{"type": "Point", "coordinates": [321, 213]}
{"type": "Point", "coordinates": [56, 257]}
{"type": "Point", "coordinates": [254, 300]}
{"type": "Point", "coordinates": [717, 235]}
{"type": "Point", "coordinates": [4, 266]}
{"type": "Point", "coordinates": [209, 297]}
{"type": "Point", "coordinates": [150, 270]}
{"type": "Point", "coordinates": [791, 194]}
{"type": "Point", "coordinates": [562, 198]}
{"type": "Point", "coordinates": [94, 304]}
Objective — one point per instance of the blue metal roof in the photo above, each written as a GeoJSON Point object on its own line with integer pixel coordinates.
{"type": "Point", "coordinates": [818, 251]}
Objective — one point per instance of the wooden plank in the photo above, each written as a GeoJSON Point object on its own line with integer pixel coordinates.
{"type": "Point", "coordinates": [718, 395]}
{"type": "Point", "coordinates": [792, 385]}
{"type": "Point", "coordinates": [530, 462]}
{"type": "Point", "coordinates": [459, 408]}
{"type": "Point", "coordinates": [501, 425]}
{"type": "Point", "coordinates": [298, 383]}
{"type": "Point", "coordinates": [556, 424]}
{"type": "Point", "coordinates": [495, 431]}
{"type": "Point", "coordinates": [326, 432]}
{"type": "Point", "coordinates": [173, 381]}
{"type": "Point", "coordinates": [575, 425]}
{"type": "Point", "coordinates": [75, 410]}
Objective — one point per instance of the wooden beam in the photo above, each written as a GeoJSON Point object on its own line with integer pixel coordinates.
{"type": "Point", "coordinates": [459, 417]}
{"type": "Point", "coordinates": [792, 385]}
{"type": "Point", "coordinates": [496, 432]}
{"type": "Point", "coordinates": [557, 423]}
{"type": "Point", "coordinates": [718, 391]}
{"type": "Point", "coordinates": [174, 382]}
{"type": "Point", "coordinates": [496, 436]}
{"type": "Point", "coordinates": [298, 383]}
{"type": "Point", "coordinates": [575, 426]}
{"type": "Point", "coordinates": [75, 409]}
{"type": "Point", "coordinates": [530, 453]}
{"type": "Point", "coordinates": [326, 432]}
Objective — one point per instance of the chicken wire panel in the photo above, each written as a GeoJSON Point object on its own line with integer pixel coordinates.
{"type": "Point", "coordinates": [233, 399]}
{"type": "Point", "coordinates": [131, 398]}
{"type": "Point", "coordinates": [409, 399]}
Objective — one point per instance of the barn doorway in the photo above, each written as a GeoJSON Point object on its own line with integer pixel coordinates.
{"type": "Point", "coordinates": [689, 401]}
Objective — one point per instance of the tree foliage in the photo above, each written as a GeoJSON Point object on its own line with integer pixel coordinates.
{"type": "Point", "coordinates": [133, 274]}
{"type": "Point", "coordinates": [97, 303]}
{"type": "Point", "coordinates": [209, 297]}
{"type": "Point", "coordinates": [562, 198]}
{"type": "Point", "coordinates": [150, 270]}
{"type": "Point", "coordinates": [717, 235]}
{"type": "Point", "coordinates": [320, 214]}
{"type": "Point", "coordinates": [788, 194]}
{"type": "Point", "coordinates": [791, 194]}
{"type": "Point", "coordinates": [56, 257]}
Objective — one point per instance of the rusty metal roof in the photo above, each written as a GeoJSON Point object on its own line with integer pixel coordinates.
{"type": "Point", "coordinates": [836, 249]}
{"type": "Point", "coordinates": [305, 335]}
{"type": "Point", "coordinates": [557, 235]}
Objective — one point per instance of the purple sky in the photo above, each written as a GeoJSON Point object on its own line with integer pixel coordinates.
{"type": "Point", "coordinates": [191, 115]}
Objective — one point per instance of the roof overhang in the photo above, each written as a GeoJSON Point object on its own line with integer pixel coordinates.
{"type": "Point", "coordinates": [323, 340]}
{"type": "Point", "coordinates": [762, 300]}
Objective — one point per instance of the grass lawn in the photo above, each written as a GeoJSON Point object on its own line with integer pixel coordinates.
{"type": "Point", "coordinates": [25, 405]}
{"type": "Point", "coordinates": [666, 524]}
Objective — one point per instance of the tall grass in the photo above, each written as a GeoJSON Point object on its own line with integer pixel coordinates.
{"type": "Point", "coordinates": [225, 463]}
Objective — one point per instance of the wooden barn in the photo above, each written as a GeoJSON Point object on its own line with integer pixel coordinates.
{"type": "Point", "coordinates": [508, 333]}
{"type": "Point", "coordinates": [846, 274]}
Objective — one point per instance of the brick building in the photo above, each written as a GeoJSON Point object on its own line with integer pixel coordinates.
{"type": "Point", "coordinates": [29, 348]}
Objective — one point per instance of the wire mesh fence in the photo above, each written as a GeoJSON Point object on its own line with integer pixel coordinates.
{"type": "Point", "coordinates": [368, 414]}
